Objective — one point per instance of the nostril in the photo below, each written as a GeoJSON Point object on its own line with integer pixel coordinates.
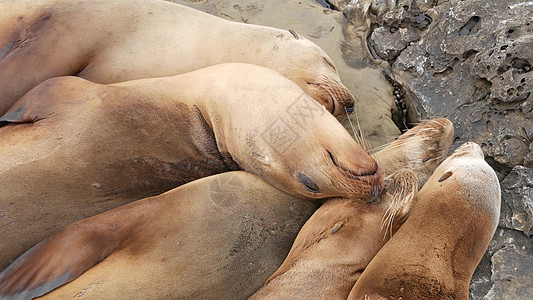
{"type": "Point", "coordinates": [308, 183]}
{"type": "Point", "coordinates": [350, 108]}
{"type": "Point", "coordinates": [333, 158]}
{"type": "Point", "coordinates": [375, 194]}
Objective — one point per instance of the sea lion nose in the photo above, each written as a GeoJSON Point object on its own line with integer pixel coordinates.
{"type": "Point", "coordinates": [358, 164]}
{"type": "Point", "coordinates": [350, 108]}
{"type": "Point", "coordinates": [360, 168]}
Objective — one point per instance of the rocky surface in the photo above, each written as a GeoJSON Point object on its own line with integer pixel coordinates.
{"type": "Point", "coordinates": [408, 60]}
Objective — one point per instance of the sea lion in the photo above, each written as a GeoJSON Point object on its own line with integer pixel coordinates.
{"type": "Point", "coordinates": [74, 148]}
{"type": "Point", "coordinates": [338, 241]}
{"type": "Point", "coordinates": [146, 39]}
{"type": "Point", "coordinates": [192, 242]}
{"type": "Point", "coordinates": [435, 252]}
{"type": "Point", "coordinates": [202, 227]}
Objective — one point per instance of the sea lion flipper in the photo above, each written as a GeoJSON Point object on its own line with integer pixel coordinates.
{"type": "Point", "coordinates": [54, 262]}
{"type": "Point", "coordinates": [47, 99]}
{"type": "Point", "coordinates": [14, 115]}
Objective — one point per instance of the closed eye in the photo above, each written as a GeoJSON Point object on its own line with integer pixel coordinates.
{"type": "Point", "coordinates": [330, 63]}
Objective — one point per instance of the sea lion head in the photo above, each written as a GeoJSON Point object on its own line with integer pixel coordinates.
{"type": "Point", "coordinates": [465, 172]}
{"type": "Point", "coordinates": [465, 177]}
{"type": "Point", "coordinates": [421, 149]}
{"type": "Point", "coordinates": [275, 130]}
{"type": "Point", "coordinates": [312, 69]}
{"type": "Point", "coordinates": [316, 158]}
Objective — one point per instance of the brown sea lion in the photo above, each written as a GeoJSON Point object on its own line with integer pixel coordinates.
{"type": "Point", "coordinates": [435, 252]}
{"type": "Point", "coordinates": [338, 241]}
{"type": "Point", "coordinates": [248, 220]}
{"type": "Point", "coordinates": [109, 41]}
{"type": "Point", "coordinates": [74, 148]}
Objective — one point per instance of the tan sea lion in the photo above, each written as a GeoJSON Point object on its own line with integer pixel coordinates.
{"type": "Point", "coordinates": [202, 228]}
{"type": "Point", "coordinates": [435, 252]}
{"type": "Point", "coordinates": [109, 41]}
{"type": "Point", "coordinates": [74, 148]}
{"type": "Point", "coordinates": [192, 242]}
{"type": "Point", "coordinates": [338, 241]}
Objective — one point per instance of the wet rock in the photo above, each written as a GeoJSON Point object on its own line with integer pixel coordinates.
{"type": "Point", "coordinates": [512, 270]}
{"type": "Point", "coordinates": [474, 65]}
{"type": "Point", "coordinates": [467, 60]}
{"type": "Point", "coordinates": [517, 200]}
{"type": "Point", "coordinates": [388, 43]}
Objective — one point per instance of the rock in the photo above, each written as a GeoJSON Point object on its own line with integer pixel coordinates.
{"type": "Point", "coordinates": [509, 262]}
{"type": "Point", "coordinates": [512, 270]}
{"type": "Point", "coordinates": [473, 65]}
{"type": "Point", "coordinates": [517, 200]}
{"type": "Point", "coordinates": [330, 30]}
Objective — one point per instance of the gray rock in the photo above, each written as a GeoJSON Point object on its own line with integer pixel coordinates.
{"type": "Point", "coordinates": [517, 204]}
{"type": "Point", "coordinates": [512, 270]}
{"type": "Point", "coordinates": [474, 65]}
{"type": "Point", "coordinates": [506, 270]}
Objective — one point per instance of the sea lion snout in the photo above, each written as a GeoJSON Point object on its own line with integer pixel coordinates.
{"type": "Point", "coordinates": [358, 173]}
{"type": "Point", "coordinates": [335, 97]}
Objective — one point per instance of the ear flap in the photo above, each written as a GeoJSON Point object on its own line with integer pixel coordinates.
{"type": "Point", "coordinates": [296, 36]}
{"type": "Point", "coordinates": [55, 261]}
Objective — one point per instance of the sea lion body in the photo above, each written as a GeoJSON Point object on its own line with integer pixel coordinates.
{"type": "Point", "coordinates": [74, 148]}
{"type": "Point", "coordinates": [338, 241]}
{"type": "Point", "coordinates": [120, 40]}
{"type": "Point", "coordinates": [218, 237]}
{"type": "Point", "coordinates": [435, 252]}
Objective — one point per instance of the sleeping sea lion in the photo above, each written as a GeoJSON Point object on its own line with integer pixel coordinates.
{"type": "Point", "coordinates": [74, 148]}
{"type": "Point", "coordinates": [435, 252]}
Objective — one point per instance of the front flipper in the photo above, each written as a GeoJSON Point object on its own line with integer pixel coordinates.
{"type": "Point", "coordinates": [15, 115]}
{"type": "Point", "coordinates": [50, 98]}
{"type": "Point", "coordinates": [57, 260]}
